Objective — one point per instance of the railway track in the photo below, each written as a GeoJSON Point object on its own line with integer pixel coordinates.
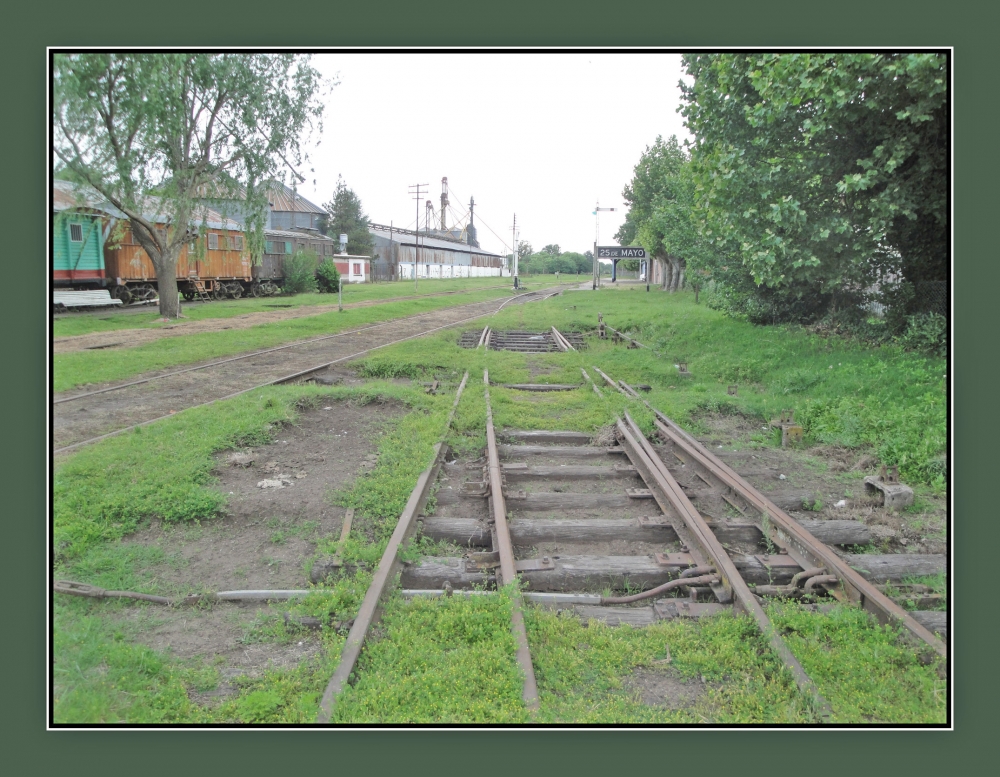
{"type": "Point", "coordinates": [81, 418]}
{"type": "Point", "coordinates": [577, 522]}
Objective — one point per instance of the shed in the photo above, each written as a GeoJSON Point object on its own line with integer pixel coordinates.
{"type": "Point", "coordinates": [405, 251]}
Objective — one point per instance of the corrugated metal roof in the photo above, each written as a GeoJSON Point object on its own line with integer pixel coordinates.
{"type": "Point", "coordinates": [284, 199]}
{"type": "Point", "coordinates": [286, 233]}
{"type": "Point", "coordinates": [431, 242]}
{"type": "Point", "coordinates": [66, 194]}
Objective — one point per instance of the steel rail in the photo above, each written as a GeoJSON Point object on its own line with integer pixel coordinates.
{"type": "Point", "coordinates": [673, 502]}
{"type": "Point", "coordinates": [805, 549]}
{"type": "Point", "coordinates": [386, 572]}
{"type": "Point", "coordinates": [505, 548]}
{"type": "Point", "coordinates": [274, 382]}
{"type": "Point", "coordinates": [252, 354]}
{"type": "Point", "coordinates": [801, 545]}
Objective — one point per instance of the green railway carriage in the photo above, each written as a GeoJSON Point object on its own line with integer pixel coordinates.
{"type": "Point", "coordinates": [78, 237]}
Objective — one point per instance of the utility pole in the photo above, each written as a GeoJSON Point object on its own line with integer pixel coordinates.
{"type": "Point", "coordinates": [513, 234]}
{"type": "Point", "coordinates": [418, 195]}
{"type": "Point", "coordinates": [597, 240]}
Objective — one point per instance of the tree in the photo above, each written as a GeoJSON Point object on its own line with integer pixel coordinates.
{"type": "Point", "coordinates": [823, 173]}
{"type": "Point", "coordinates": [660, 217]}
{"type": "Point", "coordinates": [346, 217]}
{"type": "Point", "coordinates": [524, 250]}
{"type": "Point", "coordinates": [552, 249]}
{"type": "Point", "coordinates": [181, 125]}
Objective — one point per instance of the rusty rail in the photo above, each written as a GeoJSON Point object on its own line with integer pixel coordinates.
{"type": "Point", "coordinates": [706, 550]}
{"type": "Point", "coordinates": [275, 382]}
{"type": "Point", "coordinates": [506, 573]}
{"type": "Point", "coordinates": [388, 567]}
{"type": "Point", "coordinates": [805, 550]}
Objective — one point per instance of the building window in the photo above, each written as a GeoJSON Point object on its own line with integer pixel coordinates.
{"type": "Point", "coordinates": [357, 268]}
{"type": "Point", "coordinates": [76, 233]}
{"type": "Point", "coordinates": [328, 250]}
{"type": "Point", "coordinates": [213, 241]}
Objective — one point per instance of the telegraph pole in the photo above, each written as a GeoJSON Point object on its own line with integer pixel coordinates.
{"type": "Point", "coordinates": [418, 195]}
{"type": "Point", "coordinates": [597, 239]}
{"type": "Point", "coordinates": [513, 237]}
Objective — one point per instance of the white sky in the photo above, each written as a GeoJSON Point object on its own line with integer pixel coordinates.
{"type": "Point", "coordinates": [541, 135]}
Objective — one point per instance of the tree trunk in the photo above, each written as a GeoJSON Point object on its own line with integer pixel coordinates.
{"type": "Point", "coordinates": [677, 266]}
{"type": "Point", "coordinates": [166, 282]}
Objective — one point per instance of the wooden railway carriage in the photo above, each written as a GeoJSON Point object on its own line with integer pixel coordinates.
{"type": "Point", "coordinates": [218, 264]}
{"type": "Point", "coordinates": [279, 244]}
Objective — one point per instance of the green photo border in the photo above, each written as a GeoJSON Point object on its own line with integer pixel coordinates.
{"type": "Point", "coordinates": [30, 749]}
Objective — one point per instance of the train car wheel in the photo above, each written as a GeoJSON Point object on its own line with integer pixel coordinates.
{"type": "Point", "coordinates": [236, 288]}
{"type": "Point", "coordinates": [256, 289]}
{"type": "Point", "coordinates": [122, 293]}
{"type": "Point", "coordinates": [219, 292]}
{"type": "Point", "coordinates": [188, 295]}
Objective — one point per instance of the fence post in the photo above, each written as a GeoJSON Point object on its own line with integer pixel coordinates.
{"type": "Point", "coordinates": [340, 294]}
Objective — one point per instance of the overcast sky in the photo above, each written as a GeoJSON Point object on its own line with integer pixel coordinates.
{"type": "Point", "coordinates": [544, 136]}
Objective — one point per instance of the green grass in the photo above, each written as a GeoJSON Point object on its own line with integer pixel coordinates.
{"type": "Point", "coordinates": [885, 400]}
{"type": "Point", "coordinates": [86, 367]}
{"type": "Point", "coordinates": [452, 659]}
{"type": "Point", "coordinates": [447, 660]}
{"type": "Point", "coordinates": [864, 670]}
{"type": "Point", "coordinates": [110, 321]}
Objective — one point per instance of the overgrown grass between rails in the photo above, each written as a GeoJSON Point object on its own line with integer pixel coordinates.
{"type": "Point", "coordinates": [446, 660]}
{"type": "Point", "coordinates": [863, 669]}
{"type": "Point", "coordinates": [79, 368]}
{"type": "Point", "coordinates": [845, 393]}
{"type": "Point", "coordinates": [583, 671]}
{"type": "Point", "coordinates": [108, 321]}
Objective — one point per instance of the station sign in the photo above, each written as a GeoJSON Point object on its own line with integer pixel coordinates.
{"type": "Point", "coordinates": [621, 252]}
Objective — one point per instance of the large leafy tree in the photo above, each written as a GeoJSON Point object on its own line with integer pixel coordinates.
{"type": "Point", "coordinates": [346, 217]}
{"type": "Point", "coordinates": [822, 173]}
{"type": "Point", "coordinates": [660, 217]}
{"type": "Point", "coordinates": [183, 126]}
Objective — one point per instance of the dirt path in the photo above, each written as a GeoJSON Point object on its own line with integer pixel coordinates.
{"type": "Point", "coordinates": [134, 337]}
{"type": "Point", "coordinates": [101, 414]}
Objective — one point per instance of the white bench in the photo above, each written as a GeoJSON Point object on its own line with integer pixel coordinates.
{"type": "Point", "coordinates": [83, 299]}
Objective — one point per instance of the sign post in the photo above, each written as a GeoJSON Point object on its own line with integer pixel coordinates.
{"type": "Point", "coordinates": [616, 254]}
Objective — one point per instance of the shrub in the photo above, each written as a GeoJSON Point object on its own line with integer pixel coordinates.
{"type": "Point", "coordinates": [300, 272]}
{"type": "Point", "coordinates": [327, 277]}
{"type": "Point", "coordinates": [926, 332]}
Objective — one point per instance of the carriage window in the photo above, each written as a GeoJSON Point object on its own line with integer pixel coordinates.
{"type": "Point", "coordinates": [76, 233]}
{"type": "Point", "coordinates": [288, 246]}
{"type": "Point", "coordinates": [236, 243]}
{"type": "Point", "coordinates": [328, 250]}
{"type": "Point", "coordinates": [213, 241]}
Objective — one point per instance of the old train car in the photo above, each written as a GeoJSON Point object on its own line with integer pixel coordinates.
{"type": "Point", "coordinates": [218, 264]}
{"type": "Point", "coordinates": [279, 244]}
{"type": "Point", "coordinates": [78, 234]}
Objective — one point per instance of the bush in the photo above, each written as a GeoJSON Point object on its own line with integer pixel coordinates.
{"type": "Point", "coordinates": [300, 272]}
{"type": "Point", "coordinates": [926, 332]}
{"type": "Point", "coordinates": [327, 277]}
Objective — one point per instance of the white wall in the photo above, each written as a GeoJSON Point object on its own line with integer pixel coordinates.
{"type": "Point", "coordinates": [446, 271]}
